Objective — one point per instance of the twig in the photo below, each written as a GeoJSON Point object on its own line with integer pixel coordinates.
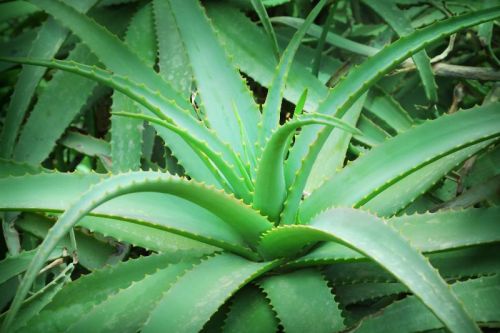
{"type": "Point", "coordinates": [466, 72]}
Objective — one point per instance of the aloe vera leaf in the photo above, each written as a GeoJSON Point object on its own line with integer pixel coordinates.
{"type": "Point", "coordinates": [248, 223]}
{"type": "Point", "coordinates": [111, 51]}
{"type": "Point", "coordinates": [321, 40]}
{"type": "Point", "coordinates": [126, 133]}
{"type": "Point", "coordinates": [92, 253]}
{"type": "Point", "coordinates": [270, 181]}
{"type": "Point", "coordinates": [239, 188]}
{"type": "Point", "coordinates": [203, 289]}
{"type": "Point", "coordinates": [333, 154]}
{"type": "Point", "coordinates": [119, 313]}
{"type": "Point", "coordinates": [144, 236]}
{"type": "Point", "coordinates": [479, 296]}
{"type": "Point", "coordinates": [157, 104]}
{"type": "Point", "coordinates": [224, 94]}
{"type": "Point", "coordinates": [260, 9]}
{"type": "Point", "coordinates": [35, 303]}
{"type": "Point", "coordinates": [155, 210]}
{"type": "Point", "coordinates": [359, 80]}
{"type": "Point", "coordinates": [13, 9]}
{"type": "Point", "coordinates": [399, 195]}
{"type": "Point", "coordinates": [88, 145]}
{"type": "Point", "coordinates": [482, 261]}
{"type": "Point", "coordinates": [58, 104]}
{"type": "Point", "coordinates": [50, 37]}
{"type": "Point", "coordinates": [14, 265]}
{"type": "Point", "coordinates": [443, 136]}
{"type": "Point", "coordinates": [75, 299]}
{"type": "Point", "coordinates": [303, 292]}
{"type": "Point", "coordinates": [17, 46]}
{"type": "Point", "coordinates": [173, 61]}
{"type": "Point", "coordinates": [331, 38]}
{"type": "Point", "coordinates": [272, 107]}
{"type": "Point", "coordinates": [250, 312]}
{"type": "Point", "coordinates": [386, 108]}
{"type": "Point", "coordinates": [355, 293]}
{"type": "Point", "coordinates": [449, 229]}
{"type": "Point", "coordinates": [402, 26]}
{"type": "Point", "coordinates": [252, 53]}
{"type": "Point", "coordinates": [296, 189]}
{"type": "Point", "coordinates": [488, 190]}
{"type": "Point", "coordinates": [15, 168]}
{"type": "Point", "coordinates": [371, 236]}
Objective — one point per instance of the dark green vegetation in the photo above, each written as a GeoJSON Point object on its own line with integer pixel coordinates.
{"type": "Point", "coordinates": [249, 166]}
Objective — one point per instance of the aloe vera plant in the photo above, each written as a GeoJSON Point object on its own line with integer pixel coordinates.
{"type": "Point", "coordinates": [194, 208]}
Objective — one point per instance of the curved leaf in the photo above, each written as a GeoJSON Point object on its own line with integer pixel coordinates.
{"type": "Point", "coordinates": [271, 110]}
{"type": "Point", "coordinates": [148, 210]}
{"type": "Point", "coordinates": [402, 155]}
{"type": "Point", "coordinates": [371, 236]}
{"type": "Point", "coordinates": [227, 102]}
{"type": "Point", "coordinates": [303, 302]}
{"type": "Point", "coordinates": [481, 298]}
{"type": "Point", "coordinates": [270, 182]}
{"type": "Point", "coordinates": [202, 290]}
{"type": "Point", "coordinates": [359, 80]}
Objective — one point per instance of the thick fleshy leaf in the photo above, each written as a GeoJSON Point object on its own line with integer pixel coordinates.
{"type": "Point", "coordinates": [402, 155]}
{"type": "Point", "coordinates": [374, 238]}
{"type": "Point", "coordinates": [303, 302]}
{"type": "Point", "coordinates": [201, 291]}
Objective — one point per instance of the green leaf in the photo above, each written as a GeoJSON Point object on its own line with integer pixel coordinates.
{"type": "Point", "coordinates": [250, 313]}
{"type": "Point", "coordinates": [480, 297]}
{"type": "Point", "coordinates": [333, 154]}
{"type": "Point", "coordinates": [331, 38]}
{"type": "Point", "coordinates": [112, 52]}
{"type": "Point", "coordinates": [12, 9]}
{"type": "Point", "coordinates": [260, 9]}
{"type": "Point", "coordinates": [270, 181]}
{"type": "Point", "coordinates": [398, 21]}
{"type": "Point", "coordinates": [251, 50]}
{"type": "Point", "coordinates": [402, 155]}
{"type": "Point", "coordinates": [449, 229]}
{"type": "Point", "coordinates": [225, 96]}
{"type": "Point", "coordinates": [481, 260]}
{"type": "Point", "coordinates": [296, 189]}
{"type": "Point", "coordinates": [127, 309]}
{"type": "Point", "coordinates": [154, 210]}
{"type": "Point", "coordinates": [303, 302]}
{"type": "Point", "coordinates": [354, 293]}
{"type": "Point", "coordinates": [50, 37]}
{"type": "Point", "coordinates": [372, 237]}
{"type": "Point", "coordinates": [173, 61]}
{"type": "Point", "coordinates": [92, 253]}
{"type": "Point", "coordinates": [441, 231]}
{"type": "Point", "coordinates": [126, 133]}
{"type": "Point", "coordinates": [88, 145]}
{"type": "Point", "coordinates": [272, 107]}
{"type": "Point", "coordinates": [35, 303]}
{"type": "Point", "coordinates": [14, 265]}
{"type": "Point", "coordinates": [202, 290]}
{"type": "Point", "coordinates": [248, 223]}
{"type": "Point", "coordinates": [147, 237]}
{"type": "Point", "coordinates": [57, 105]}
{"type": "Point", "coordinates": [75, 300]}
{"type": "Point", "coordinates": [204, 152]}
{"type": "Point", "coordinates": [14, 168]}
{"type": "Point", "coordinates": [359, 80]}
{"type": "Point", "coordinates": [399, 195]}
{"type": "Point", "coordinates": [387, 109]}
{"type": "Point", "coordinates": [157, 104]}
